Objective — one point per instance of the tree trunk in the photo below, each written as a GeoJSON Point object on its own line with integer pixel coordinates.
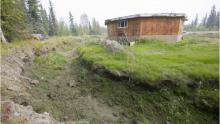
{"type": "Point", "coordinates": [3, 40]}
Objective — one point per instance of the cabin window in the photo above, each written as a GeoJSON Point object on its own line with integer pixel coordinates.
{"type": "Point", "coordinates": [123, 24]}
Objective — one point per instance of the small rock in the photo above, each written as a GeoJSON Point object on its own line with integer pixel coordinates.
{"type": "Point", "coordinates": [44, 49]}
{"type": "Point", "coordinates": [72, 83]}
{"type": "Point", "coordinates": [134, 121]}
{"type": "Point", "coordinates": [124, 114]}
{"type": "Point", "coordinates": [117, 103]}
{"type": "Point", "coordinates": [58, 86]}
{"type": "Point", "coordinates": [52, 96]}
{"type": "Point", "coordinates": [65, 118]}
{"type": "Point", "coordinates": [13, 88]}
{"type": "Point", "coordinates": [119, 73]}
{"type": "Point", "coordinates": [26, 59]}
{"type": "Point", "coordinates": [192, 84]}
{"type": "Point", "coordinates": [115, 114]}
{"type": "Point", "coordinates": [167, 122]}
{"type": "Point", "coordinates": [113, 46]}
{"type": "Point", "coordinates": [21, 100]}
{"type": "Point", "coordinates": [7, 110]}
{"type": "Point", "coordinates": [34, 82]}
{"type": "Point", "coordinates": [64, 42]}
{"type": "Point", "coordinates": [109, 102]}
{"type": "Point", "coordinates": [13, 111]}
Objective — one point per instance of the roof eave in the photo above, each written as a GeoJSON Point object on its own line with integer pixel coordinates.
{"type": "Point", "coordinates": [172, 15]}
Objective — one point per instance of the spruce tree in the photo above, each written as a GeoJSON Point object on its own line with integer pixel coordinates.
{"type": "Point", "coordinates": [44, 19]}
{"type": "Point", "coordinates": [91, 32]}
{"type": "Point", "coordinates": [53, 26]}
{"type": "Point", "coordinates": [13, 20]}
{"type": "Point", "coordinates": [196, 20]}
{"type": "Point", "coordinates": [204, 20]}
{"type": "Point", "coordinates": [72, 26]}
{"type": "Point", "coordinates": [211, 21]}
{"type": "Point", "coordinates": [34, 16]}
{"type": "Point", "coordinates": [24, 2]}
{"type": "Point", "coordinates": [84, 23]}
{"type": "Point", "coordinates": [95, 27]}
{"type": "Point", "coordinates": [62, 28]}
{"type": "Point", "coordinates": [217, 20]}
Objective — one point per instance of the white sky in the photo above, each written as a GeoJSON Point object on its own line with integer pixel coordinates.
{"type": "Point", "coordinates": [105, 9]}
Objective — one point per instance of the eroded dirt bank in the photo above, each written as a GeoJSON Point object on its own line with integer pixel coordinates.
{"type": "Point", "coordinates": [61, 93]}
{"type": "Point", "coordinates": [34, 92]}
{"type": "Point", "coordinates": [14, 87]}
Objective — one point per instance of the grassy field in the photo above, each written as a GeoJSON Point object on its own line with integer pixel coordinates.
{"type": "Point", "coordinates": [192, 65]}
{"type": "Point", "coordinates": [152, 61]}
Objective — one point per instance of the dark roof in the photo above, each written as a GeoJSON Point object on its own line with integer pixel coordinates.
{"type": "Point", "coordinates": [145, 15]}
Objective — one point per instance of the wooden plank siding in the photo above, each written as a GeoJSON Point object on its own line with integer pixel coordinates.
{"type": "Point", "coordinates": [160, 26]}
{"type": "Point", "coordinates": [133, 28]}
{"type": "Point", "coordinates": [147, 26]}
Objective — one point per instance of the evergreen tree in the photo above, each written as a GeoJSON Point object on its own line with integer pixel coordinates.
{"type": "Point", "coordinates": [103, 30]}
{"type": "Point", "coordinates": [13, 20]}
{"type": "Point", "coordinates": [192, 23]}
{"type": "Point", "coordinates": [196, 20]}
{"type": "Point", "coordinates": [95, 27]}
{"type": "Point", "coordinates": [90, 29]}
{"type": "Point", "coordinates": [44, 19]}
{"type": "Point", "coordinates": [24, 3]}
{"type": "Point", "coordinates": [53, 27]}
{"type": "Point", "coordinates": [217, 20]}
{"type": "Point", "coordinates": [34, 16]}
{"type": "Point", "coordinates": [33, 10]}
{"type": "Point", "coordinates": [204, 20]}
{"type": "Point", "coordinates": [211, 21]}
{"type": "Point", "coordinates": [72, 26]}
{"type": "Point", "coordinates": [62, 28]}
{"type": "Point", "coordinates": [78, 29]}
{"type": "Point", "coordinates": [84, 23]}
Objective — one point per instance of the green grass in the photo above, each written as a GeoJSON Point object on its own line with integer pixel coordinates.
{"type": "Point", "coordinates": [195, 60]}
{"type": "Point", "coordinates": [66, 42]}
{"type": "Point", "coordinates": [6, 48]}
{"type": "Point", "coordinates": [152, 61]}
{"type": "Point", "coordinates": [50, 64]}
{"type": "Point", "coordinates": [55, 61]}
{"type": "Point", "coordinates": [138, 104]}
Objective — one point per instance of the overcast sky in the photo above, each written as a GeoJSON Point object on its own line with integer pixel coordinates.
{"type": "Point", "coordinates": [105, 9]}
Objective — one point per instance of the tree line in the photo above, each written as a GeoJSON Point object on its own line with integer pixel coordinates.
{"type": "Point", "coordinates": [21, 18]}
{"type": "Point", "coordinates": [208, 23]}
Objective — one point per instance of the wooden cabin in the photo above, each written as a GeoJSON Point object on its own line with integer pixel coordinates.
{"type": "Point", "coordinates": [163, 26]}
